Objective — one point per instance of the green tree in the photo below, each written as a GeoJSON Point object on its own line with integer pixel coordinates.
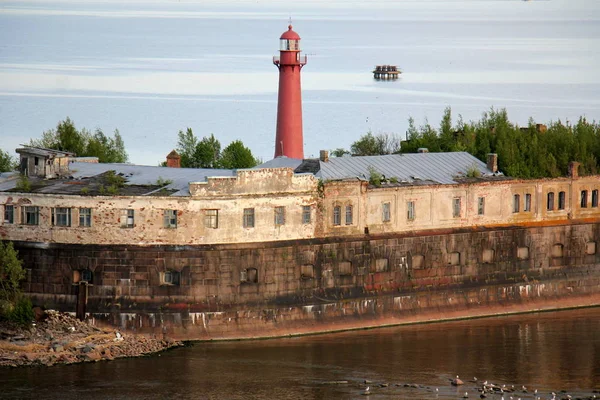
{"type": "Point", "coordinates": [236, 155]}
{"type": "Point", "coordinates": [11, 271]}
{"type": "Point", "coordinates": [7, 162]}
{"type": "Point", "coordinates": [186, 147]}
{"type": "Point", "coordinates": [66, 137]}
{"type": "Point", "coordinates": [208, 153]}
{"type": "Point", "coordinates": [373, 145]}
{"type": "Point", "coordinates": [339, 152]}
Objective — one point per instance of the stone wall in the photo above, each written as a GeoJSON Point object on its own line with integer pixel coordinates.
{"type": "Point", "coordinates": [281, 286]}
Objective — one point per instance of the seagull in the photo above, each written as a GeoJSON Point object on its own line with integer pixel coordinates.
{"type": "Point", "coordinates": [465, 395]}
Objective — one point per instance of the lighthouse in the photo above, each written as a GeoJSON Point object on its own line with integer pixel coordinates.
{"type": "Point", "coordinates": [288, 139]}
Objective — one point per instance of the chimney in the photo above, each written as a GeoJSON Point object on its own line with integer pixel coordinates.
{"type": "Point", "coordinates": [324, 155]}
{"type": "Point", "coordinates": [492, 162]}
{"type": "Point", "coordinates": [173, 160]}
{"type": "Point", "coordinates": [422, 150]}
{"type": "Point", "coordinates": [574, 169]}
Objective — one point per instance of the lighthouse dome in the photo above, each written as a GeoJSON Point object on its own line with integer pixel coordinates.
{"type": "Point", "coordinates": [290, 34]}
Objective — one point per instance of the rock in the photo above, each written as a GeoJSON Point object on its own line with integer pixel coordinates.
{"type": "Point", "coordinates": [39, 314]}
{"type": "Point", "coordinates": [88, 348]}
{"type": "Point", "coordinates": [93, 356]}
{"type": "Point", "coordinates": [57, 347]}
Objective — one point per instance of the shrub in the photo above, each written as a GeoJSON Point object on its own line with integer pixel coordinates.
{"type": "Point", "coordinates": [23, 184]}
{"type": "Point", "coordinates": [22, 313]}
{"type": "Point", "coordinates": [473, 172]}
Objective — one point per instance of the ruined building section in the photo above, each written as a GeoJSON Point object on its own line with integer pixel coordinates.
{"type": "Point", "coordinates": [333, 243]}
{"type": "Point", "coordinates": [44, 163]}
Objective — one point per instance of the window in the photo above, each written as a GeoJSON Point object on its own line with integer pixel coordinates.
{"type": "Point", "coordinates": [410, 210]}
{"type": "Point", "coordinates": [306, 214]}
{"type": "Point", "coordinates": [487, 256]}
{"type": "Point", "coordinates": [337, 215]}
{"type": "Point", "coordinates": [170, 218]}
{"type": "Point", "coordinates": [85, 217]}
{"type": "Point", "coordinates": [381, 265]}
{"type": "Point", "coordinates": [211, 219]}
{"type": "Point", "coordinates": [516, 203]}
{"type": "Point", "coordinates": [584, 198]}
{"type": "Point", "coordinates": [307, 271]}
{"type": "Point", "coordinates": [9, 214]}
{"type": "Point", "coordinates": [61, 216]}
{"type": "Point", "coordinates": [590, 248]}
{"type": "Point", "coordinates": [82, 275]}
{"type": "Point", "coordinates": [595, 198]}
{"type": "Point", "coordinates": [345, 268]}
{"type": "Point", "coordinates": [127, 218]}
{"type": "Point", "coordinates": [523, 253]}
{"type": "Point", "coordinates": [248, 218]}
{"type": "Point", "coordinates": [418, 261]}
{"type": "Point", "coordinates": [170, 277]}
{"type": "Point", "coordinates": [348, 215]}
{"type": "Point", "coordinates": [456, 207]}
{"type": "Point", "coordinates": [454, 258]}
{"type": "Point", "coordinates": [386, 212]}
{"type": "Point", "coordinates": [557, 250]}
{"type": "Point", "coordinates": [481, 206]}
{"type": "Point", "coordinates": [279, 216]}
{"type": "Point", "coordinates": [249, 275]}
{"type": "Point", "coordinates": [527, 202]}
{"type": "Point", "coordinates": [550, 202]}
{"type": "Point", "coordinates": [561, 200]}
{"type": "Point", "coordinates": [31, 215]}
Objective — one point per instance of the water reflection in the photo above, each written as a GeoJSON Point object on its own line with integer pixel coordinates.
{"type": "Point", "coordinates": [550, 352]}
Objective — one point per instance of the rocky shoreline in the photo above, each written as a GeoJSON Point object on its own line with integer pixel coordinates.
{"type": "Point", "coordinates": [58, 338]}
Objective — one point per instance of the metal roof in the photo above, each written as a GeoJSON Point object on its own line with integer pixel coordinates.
{"type": "Point", "coordinates": [147, 175]}
{"type": "Point", "coordinates": [442, 168]}
{"type": "Point", "coordinates": [280, 162]}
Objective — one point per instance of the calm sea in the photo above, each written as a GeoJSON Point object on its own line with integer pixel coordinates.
{"type": "Point", "coordinates": [151, 68]}
{"type": "Point", "coordinates": [550, 352]}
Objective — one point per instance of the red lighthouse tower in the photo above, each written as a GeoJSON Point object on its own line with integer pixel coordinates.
{"type": "Point", "coordinates": [288, 140]}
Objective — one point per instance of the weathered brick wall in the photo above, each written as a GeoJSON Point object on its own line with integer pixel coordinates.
{"type": "Point", "coordinates": [413, 272]}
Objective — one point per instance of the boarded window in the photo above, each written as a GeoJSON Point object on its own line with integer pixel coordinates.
{"type": "Point", "coordinates": [211, 219]}
{"type": "Point", "coordinates": [590, 248]}
{"type": "Point", "coordinates": [488, 256]}
{"type": "Point", "coordinates": [170, 218]}
{"type": "Point", "coordinates": [248, 218]}
{"type": "Point", "coordinates": [337, 215]}
{"type": "Point", "coordinates": [381, 265]}
{"type": "Point", "coordinates": [523, 253]}
{"type": "Point", "coordinates": [454, 258]}
{"type": "Point", "coordinates": [307, 271]}
{"type": "Point", "coordinates": [584, 198]}
{"type": "Point", "coordinates": [127, 218]}
{"type": "Point", "coordinates": [345, 268]}
{"type": "Point", "coordinates": [418, 261]}
{"type": "Point", "coordinates": [279, 216]}
{"type": "Point", "coordinates": [557, 250]}
{"type": "Point", "coordinates": [561, 200]}
{"type": "Point", "coordinates": [456, 206]}
{"type": "Point", "coordinates": [595, 198]}
{"type": "Point", "coordinates": [481, 206]}
{"type": "Point", "coordinates": [550, 201]}
{"type": "Point", "coordinates": [410, 210]}
{"type": "Point", "coordinates": [516, 203]}
{"type": "Point", "coordinates": [386, 213]}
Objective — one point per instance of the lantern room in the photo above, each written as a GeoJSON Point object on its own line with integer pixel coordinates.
{"type": "Point", "coordinates": [289, 41]}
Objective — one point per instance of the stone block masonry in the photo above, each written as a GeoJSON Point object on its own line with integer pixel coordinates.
{"type": "Point", "coordinates": [309, 285]}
